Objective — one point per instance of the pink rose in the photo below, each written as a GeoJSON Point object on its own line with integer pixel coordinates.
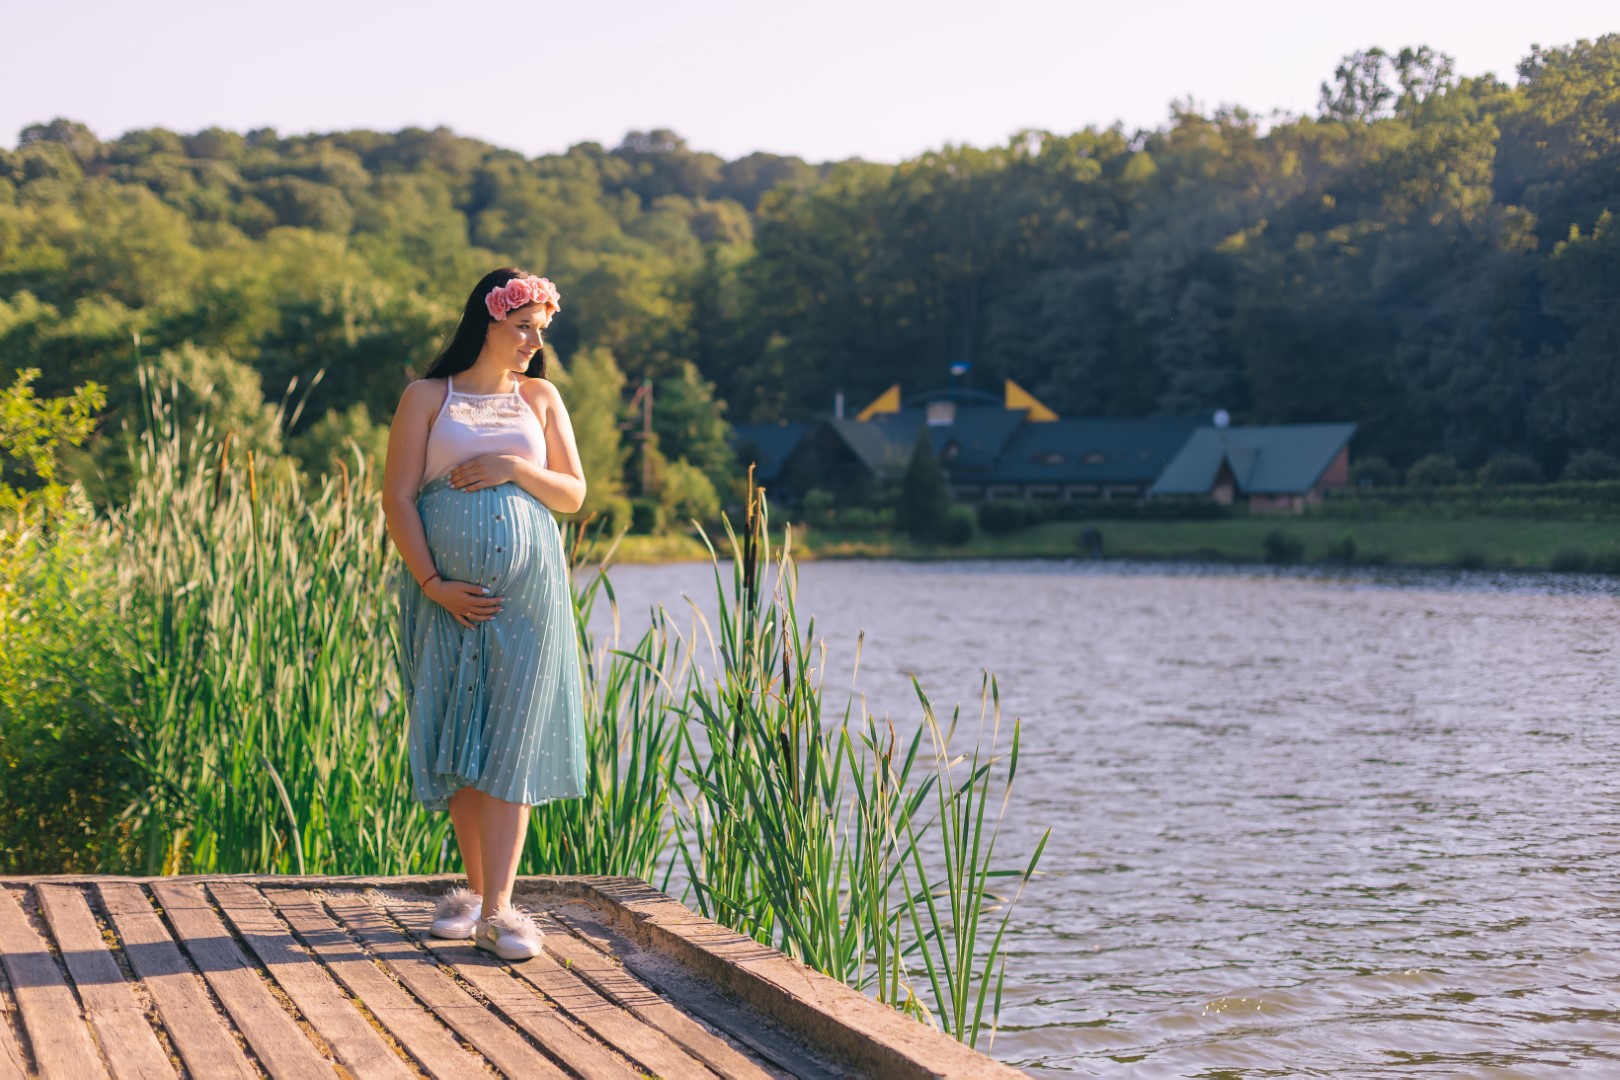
{"type": "Point", "coordinates": [520, 292]}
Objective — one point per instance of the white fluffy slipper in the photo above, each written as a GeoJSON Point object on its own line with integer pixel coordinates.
{"type": "Point", "coordinates": [510, 934]}
{"type": "Point", "coordinates": [457, 914]}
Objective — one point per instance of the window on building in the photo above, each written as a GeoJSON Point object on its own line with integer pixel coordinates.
{"type": "Point", "coordinates": [1049, 457]}
{"type": "Point", "coordinates": [940, 413]}
{"type": "Point", "coordinates": [1093, 457]}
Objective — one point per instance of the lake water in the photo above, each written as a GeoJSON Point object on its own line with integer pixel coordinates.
{"type": "Point", "coordinates": [1303, 824]}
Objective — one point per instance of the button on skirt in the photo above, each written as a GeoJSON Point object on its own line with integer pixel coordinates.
{"type": "Point", "coordinates": [500, 706]}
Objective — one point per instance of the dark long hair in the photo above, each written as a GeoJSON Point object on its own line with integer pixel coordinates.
{"type": "Point", "coordinates": [468, 339]}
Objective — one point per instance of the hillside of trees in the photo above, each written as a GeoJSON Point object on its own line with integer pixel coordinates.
{"type": "Point", "coordinates": [1432, 256]}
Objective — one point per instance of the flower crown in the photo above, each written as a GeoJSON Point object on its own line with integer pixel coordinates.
{"type": "Point", "coordinates": [521, 291]}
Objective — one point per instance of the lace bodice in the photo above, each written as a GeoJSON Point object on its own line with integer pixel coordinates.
{"type": "Point", "coordinates": [471, 425]}
{"type": "Point", "coordinates": [483, 411]}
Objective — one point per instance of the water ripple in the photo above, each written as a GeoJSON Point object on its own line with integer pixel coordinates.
{"type": "Point", "coordinates": [1309, 822]}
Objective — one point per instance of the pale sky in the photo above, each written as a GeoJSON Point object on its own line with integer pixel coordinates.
{"type": "Point", "coordinates": [879, 79]}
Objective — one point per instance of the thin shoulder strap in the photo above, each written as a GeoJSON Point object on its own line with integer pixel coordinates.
{"type": "Point", "coordinates": [450, 380]}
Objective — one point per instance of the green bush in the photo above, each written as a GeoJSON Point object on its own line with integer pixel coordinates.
{"type": "Point", "coordinates": [1435, 470]}
{"type": "Point", "coordinates": [1509, 468]}
{"type": "Point", "coordinates": [925, 500]}
{"type": "Point", "coordinates": [1469, 559]}
{"type": "Point", "coordinates": [1001, 516]}
{"type": "Point", "coordinates": [958, 527]}
{"type": "Point", "coordinates": [1282, 547]}
{"type": "Point", "coordinates": [1592, 465]}
{"type": "Point", "coordinates": [864, 518]}
{"type": "Point", "coordinates": [687, 494]}
{"type": "Point", "coordinates": [646, 517]}
{"type": "Point", "coordinates": [1373, 471]}
{"type": "Point", "coordinates": [1343, 549]}
{"type": "Point", "coordinates": [613, 517]}
{"type": "Point", "coordinates": [816, 508]}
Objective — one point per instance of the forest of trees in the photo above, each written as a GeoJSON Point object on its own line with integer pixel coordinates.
{"type": "Point", "coordinates": [1432, 256]}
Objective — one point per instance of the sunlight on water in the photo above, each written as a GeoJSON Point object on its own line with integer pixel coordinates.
{"type": "Point", "coordinates": [1305, 822]}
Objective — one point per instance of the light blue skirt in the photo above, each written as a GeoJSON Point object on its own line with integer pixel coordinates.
{"type": "Point", "coordinates": [500, 706]}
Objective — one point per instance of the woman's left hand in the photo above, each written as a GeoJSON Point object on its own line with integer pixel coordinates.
{"type": "Point", "coordinates": [484, 471]}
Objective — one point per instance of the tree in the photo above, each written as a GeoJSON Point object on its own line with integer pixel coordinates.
{"type": "Point", "coordinates": [925, 501]}
{"type": "Point", "coordinates": [690, 423]}
{"type": "Point", "coordinates": [1360, 90]}
{"type": "Point", "coordinates": [592, 388]}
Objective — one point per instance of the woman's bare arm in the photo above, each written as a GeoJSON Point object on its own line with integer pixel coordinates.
{"type": "Point", "coordinates": [560, 483]}
{"type": "Point", "coordinates": [402, 474]}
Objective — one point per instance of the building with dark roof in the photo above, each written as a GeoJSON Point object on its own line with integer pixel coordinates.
{"type": "Point", "coordinates": [1015, 447]}
{"type": "Point", "coordinates": [1280, 467]}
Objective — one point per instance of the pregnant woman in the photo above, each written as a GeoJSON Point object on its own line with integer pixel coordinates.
{"type": "Point", "coordinates": [480, 453]}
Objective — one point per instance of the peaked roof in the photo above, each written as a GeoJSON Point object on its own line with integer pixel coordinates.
{"type": "Point", "coordinates": [1282, 459]}
{"type": "Point", "coordinates": [979, 432]}
{"type": "Point", "coordinates": [1097, 450]}
{"type": "Point", "coordinates": [775, 443]}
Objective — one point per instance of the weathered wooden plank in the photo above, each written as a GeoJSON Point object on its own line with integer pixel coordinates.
{"type": "Point", "coordinates": [508, 1050]}
{"type": "Point", "coordinates": [197, 1030]}
{"type": "Point", "coordinates": [620, 985]}
{"type": "Point", "coordinates": [530, 1011]}
{"type": "Point", "coordinates": [11, 1058]}
{"type": "Point", "coordinates": [119, 1020]}
{"type": "Point", "coordinates": [281, 1046]}
{"type": "Point", "coordinates": [858, 1033]}
{"type": "Point", "coordinates": [56, 1030]}
{"type": "Point", "coordinates": [417, 1031]}
{"type": "Point", "coordinates": [352, 1038]}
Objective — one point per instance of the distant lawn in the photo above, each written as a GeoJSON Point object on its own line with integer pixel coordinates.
{"type": "Point", "coordinates": [1483, 542]}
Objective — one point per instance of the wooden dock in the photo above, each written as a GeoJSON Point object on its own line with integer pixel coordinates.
{"type": "Point", "coordinates": [245, 976]}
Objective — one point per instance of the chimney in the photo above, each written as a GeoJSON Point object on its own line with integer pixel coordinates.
{"type": "Point", "coordinates": [838, 405]}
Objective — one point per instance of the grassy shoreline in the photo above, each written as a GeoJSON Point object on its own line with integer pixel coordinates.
{"type": "Point", "coordinates": [1468, 543]}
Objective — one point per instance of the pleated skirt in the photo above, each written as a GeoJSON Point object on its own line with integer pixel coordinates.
{"type": "Point", "coordinates": [500, 706]}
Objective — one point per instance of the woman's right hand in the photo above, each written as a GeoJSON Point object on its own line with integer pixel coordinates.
{"type": "Point", "coordinates": [464, 600]}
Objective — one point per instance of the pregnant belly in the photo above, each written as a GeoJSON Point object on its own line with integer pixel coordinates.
{"type": "Point", "coordinates": [490, 536]}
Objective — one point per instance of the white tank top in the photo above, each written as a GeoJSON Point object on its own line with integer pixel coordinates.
{"type": "Point", "coordinates": [470, 425]}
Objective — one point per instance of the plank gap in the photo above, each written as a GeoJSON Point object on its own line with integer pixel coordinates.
{"type": "Point", "coordinates": [137, 985]}
{"type": "Point", "coordinates": [274, 918]}
{"type": "Point", "coordinates": [256, 965]}
{"type": "Point", "coordinates": [572, 1045]}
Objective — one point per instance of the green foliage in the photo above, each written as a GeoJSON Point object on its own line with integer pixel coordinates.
{"type": "Point", "coordinates": [1001, 516]}
{"type": "Point", "coordinates": [1430, 256]}
{"type": "Point", "coordinates": [206, 682]}
{"type": "Point", "coordinates": [959, 525]}
{"type": "Point", "coordinates": [690, 422]}
{"type": "Point", "coordinates": [925, 501]}
{"type": "Point", "coordinates": [347, 437]}
{"type": "Point", "coordinates": [1281, 546]}
{"type": "Point", "coordinates": [817, 507]}
{"type": "Point", "coordinates": [646, 517]}
{"type": "Point", "coordinates": [1434, 470]}
{"type": "Point", "coordinates": [64, 773]}
{"type": "Point", "coordinates": [865, 852]}
{"type": "Point", "coordinates": [686, 494]}
{"type": "Point", "coordinates": [1592, 465]}
{"type": "Point", "coordinates": [592, 386]}
{"type": "Point", "coordinates": [1373, 470]}
{"type": "Point", "coordinates": [35, 433]}
{"type": "Point", "coordinates": [1509, 468]}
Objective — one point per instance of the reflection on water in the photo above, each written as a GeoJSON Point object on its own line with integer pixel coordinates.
{"type": "Point", "coordinates": [1304, 822]}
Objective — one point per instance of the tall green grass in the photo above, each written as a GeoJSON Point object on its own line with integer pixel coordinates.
{"type": "Point", "coordinates": [261, 729]}
{"type": "Point", "coordinates": [868, 855]}
{"type": "Point", "coordinates": [264, 711]}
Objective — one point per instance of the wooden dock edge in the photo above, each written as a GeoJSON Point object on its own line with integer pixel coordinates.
{"type": "Point", "coordinates": [844, 1025]}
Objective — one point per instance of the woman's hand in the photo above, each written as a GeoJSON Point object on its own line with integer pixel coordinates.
{"type": "Point", "coordinates": [464, 600]}
{"type": "Point", "coordinates": [484, 471]}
